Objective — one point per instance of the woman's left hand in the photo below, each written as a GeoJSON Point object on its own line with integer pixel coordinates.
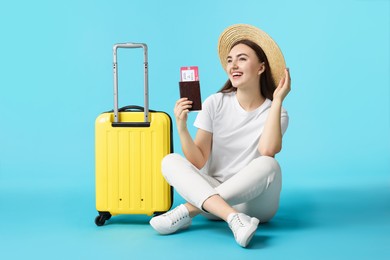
{"type": "Point", "coordinates": [284, 86]}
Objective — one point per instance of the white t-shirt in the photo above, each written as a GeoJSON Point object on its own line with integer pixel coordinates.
{"type": "Point", "coordinates": [236, 133]}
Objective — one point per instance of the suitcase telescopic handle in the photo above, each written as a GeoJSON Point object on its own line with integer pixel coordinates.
{"type": "Point", "coordinates": [116, 122]}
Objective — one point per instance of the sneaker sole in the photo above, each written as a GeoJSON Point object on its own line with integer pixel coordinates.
{"type": "Point", "coordinates": [167, 232]}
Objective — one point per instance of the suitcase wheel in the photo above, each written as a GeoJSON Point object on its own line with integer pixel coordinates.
{"type": "Point", "coordinates": [101, 219]}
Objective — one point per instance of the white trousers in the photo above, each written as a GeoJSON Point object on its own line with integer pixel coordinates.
{"type": "Point", "coordinates": [255, 190]}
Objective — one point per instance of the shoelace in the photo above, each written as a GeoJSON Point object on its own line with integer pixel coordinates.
{"type": "Point", "coordinates": [235, 223]}
{"type": "Point", "coordinates": [176, 215]}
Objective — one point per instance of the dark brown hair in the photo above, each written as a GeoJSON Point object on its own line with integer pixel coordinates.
{"type": "Point", "coordinates": [267, 85]}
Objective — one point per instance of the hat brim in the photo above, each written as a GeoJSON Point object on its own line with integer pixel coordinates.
{"type": "Point", "coordinates": [238, 32]}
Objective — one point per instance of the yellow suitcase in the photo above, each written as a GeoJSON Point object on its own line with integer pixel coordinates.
{"type": "Point", "coordinates": [130, 143]}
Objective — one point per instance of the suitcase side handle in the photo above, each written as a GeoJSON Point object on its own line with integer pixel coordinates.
{"type": "Point", "coordinates": [146, 82]}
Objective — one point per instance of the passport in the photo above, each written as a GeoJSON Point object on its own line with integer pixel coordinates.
{"type": "Point", "coordinates": [190, 86]}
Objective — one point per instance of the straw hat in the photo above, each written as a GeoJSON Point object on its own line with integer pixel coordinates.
{"type": "Point", "coordinates": [237, 32]}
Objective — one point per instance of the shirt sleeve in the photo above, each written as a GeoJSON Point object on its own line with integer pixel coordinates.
{"type": "Point", "coordinates": [204, 120]}
{"type": "Point", "coordinates": [284, 121]}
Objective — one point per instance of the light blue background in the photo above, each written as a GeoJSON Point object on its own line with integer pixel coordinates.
{"type": "Point", "coordinates": [56, 77]}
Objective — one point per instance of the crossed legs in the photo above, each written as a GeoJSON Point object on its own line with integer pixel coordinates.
{"type": "Point", "coordinates": [255, 190]}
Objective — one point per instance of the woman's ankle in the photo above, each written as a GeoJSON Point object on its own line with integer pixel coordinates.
{"type": "Point", "coordinates": [193, 211]}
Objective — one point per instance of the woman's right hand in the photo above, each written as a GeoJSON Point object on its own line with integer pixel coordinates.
{"type": "Point", "coordinates": [181, 110]}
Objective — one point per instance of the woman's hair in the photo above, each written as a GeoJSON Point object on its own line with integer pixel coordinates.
{"type": "Point", "coordinates": [267, 85]}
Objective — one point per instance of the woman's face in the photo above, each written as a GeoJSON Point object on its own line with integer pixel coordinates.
{"type": "Point", "coordinates": [243, 67]}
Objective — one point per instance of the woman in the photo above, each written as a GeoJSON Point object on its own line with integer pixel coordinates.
{"type": "Point", "coordinates": [229, 170]}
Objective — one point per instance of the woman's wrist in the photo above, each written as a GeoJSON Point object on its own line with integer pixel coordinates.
{"type": "Point", "coordinates": [277, 102]}
{"type": "Point", "coordinates": [182, 129]}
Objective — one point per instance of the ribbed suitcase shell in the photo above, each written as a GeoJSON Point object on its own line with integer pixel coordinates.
{"type": "Point", "coordinates": [128, 164]}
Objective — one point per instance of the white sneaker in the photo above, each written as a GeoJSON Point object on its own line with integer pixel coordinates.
{"type": "Point", "coordinates": [172, 221]}
{"type": "Point", "coordinates": [243, 227]}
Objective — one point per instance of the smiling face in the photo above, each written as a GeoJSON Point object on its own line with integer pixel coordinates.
{"type": "Point", "coordinates": [243, 67]}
